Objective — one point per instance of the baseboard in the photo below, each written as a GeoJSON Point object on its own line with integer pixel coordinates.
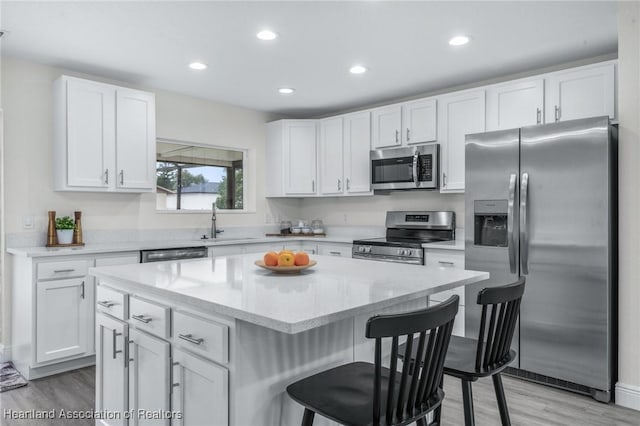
{"type": "Point", "coordinates": [628, 396]}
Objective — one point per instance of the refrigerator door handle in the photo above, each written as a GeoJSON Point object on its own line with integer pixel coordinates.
{"type": "Point", "coordinates": [524, 231]}
{"type": "Point", "coordinates": [510, 240]}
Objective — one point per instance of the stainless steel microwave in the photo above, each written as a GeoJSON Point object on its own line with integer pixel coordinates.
{"type": "Point", "coordinates": [405, 168]}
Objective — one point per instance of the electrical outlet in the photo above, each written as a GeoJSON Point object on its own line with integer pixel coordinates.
{"type": "Point", "coordinates": [27, 222]}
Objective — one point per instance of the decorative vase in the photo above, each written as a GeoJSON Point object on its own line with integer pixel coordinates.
{"type": "Point", "coordinates": [65, 236]}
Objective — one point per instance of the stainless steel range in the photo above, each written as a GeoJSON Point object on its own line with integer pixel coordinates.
{"type": "Point", "coordinates": [406, 232]}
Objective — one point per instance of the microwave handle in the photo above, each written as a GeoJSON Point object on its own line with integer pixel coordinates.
{"type": "Point", "coordinates": [416, 155]}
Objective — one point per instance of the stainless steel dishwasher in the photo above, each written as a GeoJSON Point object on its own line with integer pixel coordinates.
{"type": "Point", "coordinates": [159, 255]}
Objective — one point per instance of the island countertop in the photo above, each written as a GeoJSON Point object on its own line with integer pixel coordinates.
{"type": "Point", "coordinates": [335, 289]}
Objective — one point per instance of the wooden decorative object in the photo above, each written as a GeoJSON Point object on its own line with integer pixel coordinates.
{"type": "Point", "coordinates": [77, 231]}
{"type": "Point", "coordinates": [52, 237]}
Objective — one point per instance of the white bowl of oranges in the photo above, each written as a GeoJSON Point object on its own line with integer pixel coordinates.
{"type": "Point", "coordinates": [285, 262]}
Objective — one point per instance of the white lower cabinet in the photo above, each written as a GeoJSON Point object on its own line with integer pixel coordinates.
{"type": "Point", "coordinates": [448, 259]}
{"type": "Point", "coordinates": [163, 380]}
{"type": "Point", "coordinates": [335, 249]}
{"type": "Point", "coordinates": [111, 369]}
{"type": "Point", "coordinates": [200, 391]}
{"type": "Point", "coordinates": [64, 318]}
{"type": "Point", "coordinates": [149, 377]}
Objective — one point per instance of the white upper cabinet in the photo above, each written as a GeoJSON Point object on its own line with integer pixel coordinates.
{"type": "Point", "coordinates": [90, 125]}
{"type": "Point", "coordinates": [343, 155]}
{"type": "Point", "coordinates": [459, 114]}
{"type": "Point", "coordinates": [291, 158]}
{"type": "Point", "coordinates": [104, 137]}
{"type": "Point", "coordinates": [419, 121]}
{"type": "Point", "coordinates": [515, 104]}
{"type": "Point", "coordinates": [135, 139]}
{"type": "Point", "coordinates": [330, 157]}
{"type": "Point", "coordinates": [386, 124]}
{"type": "Point", "coordinates": [357, 145]}
{"type": "Point", "coordinates": [580, 93]}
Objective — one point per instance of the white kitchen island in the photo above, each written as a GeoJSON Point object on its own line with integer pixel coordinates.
{"type": "Point", "coordinates": [218, 340]}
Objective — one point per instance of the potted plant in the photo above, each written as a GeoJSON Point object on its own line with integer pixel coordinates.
{"type": "Point", "coordinates": [64, 228]}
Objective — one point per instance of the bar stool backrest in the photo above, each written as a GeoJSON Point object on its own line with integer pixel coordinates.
{"type": "Point", "coordinates": [500, 307]}
{"type": "Point", "coordinates": [417, 392]}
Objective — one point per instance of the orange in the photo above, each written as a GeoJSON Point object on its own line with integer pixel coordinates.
{"type": "Point", "coordinates": [286, 259]}
{"type": "Point", "coordinates": [271, 258]}
{"type": "Point", "coordinates": [285, 251]}
{"type": "Point", "coordinates": [301, 258]}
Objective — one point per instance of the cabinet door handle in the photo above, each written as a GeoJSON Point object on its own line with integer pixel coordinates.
{"type": "Point", "coordinates": [408, 134]}
{"type": "Point", "coordinates": [189, 338]}
{"type": "Point", "coordinates": [60, 271]}
{"type": "Point", "coordinates": [444, 179]}
{"type": "Point", "coordinates": [106, 303]}
{"type": "Point", "coordinates": [335, 253]}
{"type": "Point", "coordinates": [348, 183]}
{"type": "Point", "coordinates": [339, 185]}
{"type": "Point", "coordinates": [106, 177]}
{"type": "Point", "coordinates": [141, 318]}
{"type": "Point", "coordinates": [82, 290]}
{"type": "Point", "coordinates": [313, 185]}
{"type": "Point", "coordinates": [115, 335]}
{"type": "Point", "coordinates": [397, 136]}
{"type": "Point", "coordinates": [121, 177]}
{"type": "Point", "coordinates": [557, 113]}
{"type": "Point", "coordinates": [443, 262]}
{"type": "Point", "coordinates": [538, 116]}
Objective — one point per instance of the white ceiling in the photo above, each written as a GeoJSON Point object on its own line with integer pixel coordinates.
{"type": "Point", "coordinates": [404, 45]}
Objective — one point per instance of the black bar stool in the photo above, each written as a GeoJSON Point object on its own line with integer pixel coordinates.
{"type": "Point", "coordinates": [469, 359]}
{"type": "Point", "coordinates": [361, 393]}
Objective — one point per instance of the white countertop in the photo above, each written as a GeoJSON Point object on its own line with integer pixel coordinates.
{"type": "Point", "coordinates": [41, 251]}
{"type": "Point", "coordinates": [336, 288]}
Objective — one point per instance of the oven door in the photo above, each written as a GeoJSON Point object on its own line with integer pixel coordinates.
{"type": "Point", "coordinates": [405, 168]}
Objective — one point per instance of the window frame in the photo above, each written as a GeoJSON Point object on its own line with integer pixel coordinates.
{"type": "Point", "coordinates": [245, 169]}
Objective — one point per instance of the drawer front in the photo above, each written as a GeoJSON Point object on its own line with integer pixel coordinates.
{"type": "Point", "coordinates": [67, 269]}
{"type": "Point", "coordinates": [112, 302]}
{"type": "Point", "coordinates": [444, 258]}
{"type": "Point", "coordinates": [205, 337]}
{"type": "Point", "coordinates": [335, 250]}
{"type": "Point", "coordinates": [149, 316]}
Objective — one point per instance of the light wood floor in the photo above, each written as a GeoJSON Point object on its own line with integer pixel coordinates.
{"type": "Point", "coordinates": [529, 404]}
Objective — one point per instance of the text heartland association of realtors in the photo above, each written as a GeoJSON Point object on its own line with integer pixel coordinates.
{"type": "Point", "coordinates": [90, 414]}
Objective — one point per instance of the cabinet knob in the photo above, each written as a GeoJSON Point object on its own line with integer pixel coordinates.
{"type": "Point", "coordinates": [121, 177]}
{"type": "Point", "coordinates": [538, 116]}
{"type": "Point", "coordinates": [106, 177]}
{"type": "Point", "coordinates": [397, 136]}
{"type": "Point", "coordinates": [557, 113]}
{"type": "Point", "coordinates": [348, 183]}
{"type": "Point", "coordinates": [408, 134]}
{"type": "Point", "coordinates": [339, 185]}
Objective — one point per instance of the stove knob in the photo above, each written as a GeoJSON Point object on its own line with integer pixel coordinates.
{"type": "Point", "coordinates": [408, 252]}
{"type": "Point", "coordinates": [360, 249]}
{"type": "Point", "coordinates": [399, 252]}
{"type": "Point", "coordinates": [368, 249]}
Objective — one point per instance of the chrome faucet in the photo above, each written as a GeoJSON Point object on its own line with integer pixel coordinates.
{"type": "Point", "coordinates": [214, 228]}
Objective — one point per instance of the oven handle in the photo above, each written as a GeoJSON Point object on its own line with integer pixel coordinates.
{"type": "Point", "coordinates": [416, 155]}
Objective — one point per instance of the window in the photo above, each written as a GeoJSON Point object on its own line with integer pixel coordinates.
{"type": "Point", "coordinates": [193, 177]}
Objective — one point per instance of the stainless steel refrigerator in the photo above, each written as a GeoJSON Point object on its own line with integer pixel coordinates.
{"type": "Point", "coordinates": [540, 202]}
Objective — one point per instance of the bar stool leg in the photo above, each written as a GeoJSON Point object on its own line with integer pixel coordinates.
{"type": "Point", "coordinates": [502, 401]}
{"type": "Point", "coordinates": [467, 399]}
{"type": "Point", "coordinates": [307, 418]}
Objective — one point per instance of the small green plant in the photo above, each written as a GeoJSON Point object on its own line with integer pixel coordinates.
{"type": "Point", "coordinates": [65, 222]}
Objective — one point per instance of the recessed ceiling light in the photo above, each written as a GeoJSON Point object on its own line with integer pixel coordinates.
{"type": "Point", "coordinates": [267, 35]}
{"type": "Point", "coordinates": [459, 40]}
{"type": "Point", "coordinates": [358, 69]}
{"type": "Point", "coordinates": [286, 90]}
{"type": "Point", "coordinates": [197, 66]}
